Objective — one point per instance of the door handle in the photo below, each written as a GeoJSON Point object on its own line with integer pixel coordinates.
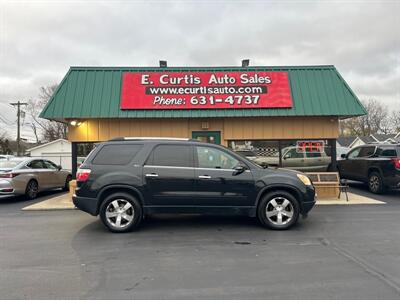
{"type": "Point", "coordinates": [151, 175]}
{"type": "Point", "coordinates": [204, 177]}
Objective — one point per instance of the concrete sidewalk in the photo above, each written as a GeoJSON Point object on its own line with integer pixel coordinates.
{"type": "Point", "coordinates": [354, 199]}
{"type": "Point", "coordinates": [60, 202]}
{"type": "Point", "coordinates": [64, 201]}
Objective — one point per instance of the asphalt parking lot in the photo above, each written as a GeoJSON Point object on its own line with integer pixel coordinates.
{"type": "Point", "coordinates": [339, 252]}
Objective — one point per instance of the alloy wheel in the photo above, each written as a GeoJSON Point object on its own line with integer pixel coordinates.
{"type": "Point", "coordinates": [279, 211]}
{"type": "Point", "coordinates": [120, 213]}
{"type": "Point", "coordinates": [32, 189]}
{"type": "Point", "coordinates": [374, 183]}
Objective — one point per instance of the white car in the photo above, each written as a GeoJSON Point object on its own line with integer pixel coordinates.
{"type": "Point", "coordinates": [4, 156]}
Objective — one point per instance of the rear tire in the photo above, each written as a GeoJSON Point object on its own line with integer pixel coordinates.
{"type": "Point", "coordinates": [375, 183]}
{"type": "Point", "coordinates": [278, 210]}
{"type": "Point", "coordinates": [67, 180]}
{"type": "Point", "coordinates": [121, 212]}
{"type": "Point", "coordinates": [32, 189]}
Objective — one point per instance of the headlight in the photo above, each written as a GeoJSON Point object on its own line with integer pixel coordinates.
{"type": "Point", "coordinates": [304, 179]}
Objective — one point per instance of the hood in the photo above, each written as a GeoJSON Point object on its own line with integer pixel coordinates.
{"type": "Point", "coordinates": [282, 170]}
{"type": "Point", "coordinates": [272, 161]}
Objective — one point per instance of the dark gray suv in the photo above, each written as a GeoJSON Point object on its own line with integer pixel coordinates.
{"type": "Point", "coordinates": [125, 179]}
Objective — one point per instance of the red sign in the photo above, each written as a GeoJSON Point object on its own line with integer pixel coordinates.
{"type": "Point", "coordinates": [310, 146]}
{"type": "Point", "coordinates": [197, 90]}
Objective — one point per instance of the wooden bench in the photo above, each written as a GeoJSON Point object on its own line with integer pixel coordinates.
{"type": "Point", "coordinates": [328, 184]}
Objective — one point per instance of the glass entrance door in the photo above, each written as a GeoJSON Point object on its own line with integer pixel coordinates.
{"type": "Point", "coordinates": [212, 137]}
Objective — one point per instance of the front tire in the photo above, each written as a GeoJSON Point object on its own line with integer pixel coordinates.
{"type": "Point", "coordinates": [375, 183]}
{"type": "Point", "coordinates": [67, 180]}
{"type": "Point", "coordinates": [278, 210]}
{"type": "Point", "coordinates": [121, 212]}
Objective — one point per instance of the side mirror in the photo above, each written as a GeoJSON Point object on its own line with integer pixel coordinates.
{"type": "Point", "coordinates": [59, 167]}
{"type": "Point", "coordinates": [239, 170]}
{"type": "Point", "coordinates": [264, 165]}
{"type": "Point", "coordinates": [343, 155]}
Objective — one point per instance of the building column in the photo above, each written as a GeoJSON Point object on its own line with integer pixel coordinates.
{"type": "Point", "coordinates": [332, 144]}
{"type": "Point", "coordinates": [74, 157]}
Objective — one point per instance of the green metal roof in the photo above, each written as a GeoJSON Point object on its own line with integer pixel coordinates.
{"type": "Point", "coordinates": [95, 92]}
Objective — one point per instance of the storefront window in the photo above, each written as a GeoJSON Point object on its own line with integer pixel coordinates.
{"type": "Point", "coordinates": [306, 155]}
{"type": "Point", "coordinates": [301, 155]}
{"type": "Point", "coordinates": [83, 150]}
{"type": "Point", "coordinates": [261, 152]}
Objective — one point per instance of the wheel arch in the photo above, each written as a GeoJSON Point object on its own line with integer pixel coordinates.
{"type": "Point", "coordinates": [112, 189]}
{"type": "Point", "coordinates": [32, 179]}
{"type": "Point", "coordinates": [280, 187]}
{"type": "Point", "coordinates": [374, 169]}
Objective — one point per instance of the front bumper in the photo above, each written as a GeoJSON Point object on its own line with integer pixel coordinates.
{"type": "Point", "coordinates": [308, 200]}
{"type": "Point", "coordinates": [89, 205]}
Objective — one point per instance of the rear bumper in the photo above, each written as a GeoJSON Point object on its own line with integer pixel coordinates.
{"type": "Point", "coordinates": [392, 181]}
{"type": "Point", "coordinates": [89, 205]}
{"type": "Point", "coordinates": [6, 188]}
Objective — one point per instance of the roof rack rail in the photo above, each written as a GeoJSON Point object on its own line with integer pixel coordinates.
{"type": "Point", "coordinates": [148, 138]}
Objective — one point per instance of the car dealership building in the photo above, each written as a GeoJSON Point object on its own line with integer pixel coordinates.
{"type": "Point", "coordinates": [285, 116]}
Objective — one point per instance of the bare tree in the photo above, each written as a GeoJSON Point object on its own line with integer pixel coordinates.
{"type": "Point", "coordinates": [395, 120]}
{"type": "Point", "coordinates": [377, 120]}
{"type": "Point", "coordinates": [4, 143]}
{"type": "Point", "coordinates": [45, 130]}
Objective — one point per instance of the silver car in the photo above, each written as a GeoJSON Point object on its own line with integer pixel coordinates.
{"type": "Point", "coordinates": [29, 176]}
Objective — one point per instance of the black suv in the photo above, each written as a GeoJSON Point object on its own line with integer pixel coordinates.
{"type": "Point", "coordinates": [125, 179]}
{"type": "Point", "coordinates": [376, 165]}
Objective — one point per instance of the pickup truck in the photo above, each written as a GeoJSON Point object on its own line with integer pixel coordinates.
{"type": "Point", "coordinates": [377, 165]}
{"type": "Point", "coordinates": [301, 161]}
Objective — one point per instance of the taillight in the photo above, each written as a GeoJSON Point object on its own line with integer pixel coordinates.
{"type": "Point", "coordinates": [396, 162]}
{"type": "Point", "coordinates": [8, 175]}
{"type": "Point", "coordinates": [83, 175]}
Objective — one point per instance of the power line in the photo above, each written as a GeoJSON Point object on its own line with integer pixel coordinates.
{"type": "Point", "coordinates": [5, 120]}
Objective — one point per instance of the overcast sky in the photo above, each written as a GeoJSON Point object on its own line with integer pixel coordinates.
{"type": "Point", "coordinates": [40, 40]}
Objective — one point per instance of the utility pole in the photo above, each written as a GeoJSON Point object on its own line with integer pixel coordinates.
{"type": "Point", "coordinates": [18, 105]}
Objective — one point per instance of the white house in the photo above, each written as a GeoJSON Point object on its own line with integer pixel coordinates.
{"type": "Point", "coordinates": [375, 139]}
{"type": "Point", "coordinates": [58, 151]}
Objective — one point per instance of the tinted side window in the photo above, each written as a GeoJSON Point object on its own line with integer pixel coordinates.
{"type": "Point", "coordinates": [118, 154]}
{"type": "Point", "coordinates": [49, 165]}
{"type": "Point", "coordinates": [292, 153]}
{"type": "Point", "coordinates": [388, 152]}
{"type": "Point", "coordinates": [366, 151]}
{"type": "Point", "coordinates": [171, 155]}
{"type": "Point", "coordinates": [354, 153]}
{"type": "Point", "coordinates": [36, 164]}
{"type": "Point", "coordinates": [208, 157]}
